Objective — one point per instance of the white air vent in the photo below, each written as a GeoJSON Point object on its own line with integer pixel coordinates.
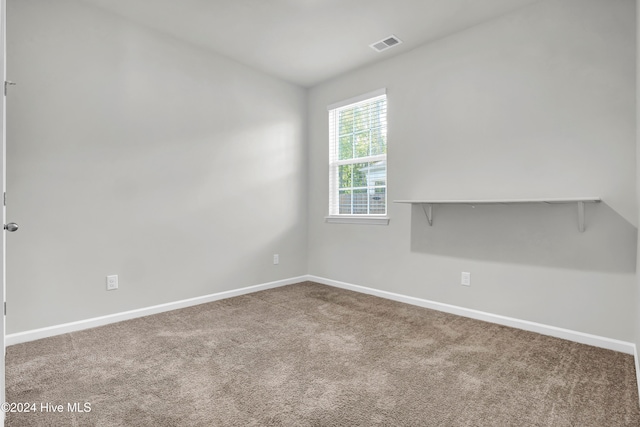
{"type": "Point", "coordinates": [386, 43]}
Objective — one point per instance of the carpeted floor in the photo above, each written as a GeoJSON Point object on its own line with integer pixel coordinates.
{"type": "Point", "coordinates": [313, 355]}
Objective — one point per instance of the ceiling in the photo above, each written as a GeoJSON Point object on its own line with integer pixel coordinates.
{"type": "Point", "coordinates": [308, 41]}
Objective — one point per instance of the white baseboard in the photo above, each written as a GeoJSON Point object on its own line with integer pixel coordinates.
{"type": "Point", "coordinates": [635, 356]}
{"type": "Point", "coordinates": [567, 334]}
{"type": "Point", "coordinates": [594, 340]}
{"type": "Point", "coordinates": [50, 331]}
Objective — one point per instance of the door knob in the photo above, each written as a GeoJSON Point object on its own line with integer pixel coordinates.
{"type": "Point", "coordinates": [12, 226]}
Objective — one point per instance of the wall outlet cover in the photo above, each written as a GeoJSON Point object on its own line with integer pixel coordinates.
{"type": "Point", "coordinates": [465, 279]}
{"type": "Point", "coordinates": [112, 282]}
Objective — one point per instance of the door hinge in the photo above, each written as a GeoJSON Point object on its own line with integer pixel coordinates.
{"type": "Point", "coordinates": [4, 199]}
{"type": "Point", "coordinates": [7, 83]}
{"type": "Point", "coordinates": [5, 308]}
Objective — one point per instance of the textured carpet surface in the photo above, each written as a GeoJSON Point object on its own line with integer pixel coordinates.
{"type": "Point", "coordinates": [312, 355]}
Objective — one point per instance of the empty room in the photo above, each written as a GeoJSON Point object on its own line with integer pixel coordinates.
{"type": "Point", "coordinates": [320, 213]}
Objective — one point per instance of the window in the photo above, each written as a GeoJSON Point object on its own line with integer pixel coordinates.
{"type": "Point", "coordinates": [358, 158]}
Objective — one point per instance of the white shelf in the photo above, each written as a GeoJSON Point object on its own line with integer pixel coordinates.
{"type": "Point", "coordinates": [427, 205]}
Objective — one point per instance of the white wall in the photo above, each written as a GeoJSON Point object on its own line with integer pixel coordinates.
{"type": "Point", "coordinates": [637, 319]}
{"type": "Point", "coordinates": [537, 103]}
{"type": "Point", "coordinates": [132, 153]}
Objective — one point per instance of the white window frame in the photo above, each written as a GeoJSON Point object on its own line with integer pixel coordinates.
{"type": "Point", "coordinates": [334, 163]}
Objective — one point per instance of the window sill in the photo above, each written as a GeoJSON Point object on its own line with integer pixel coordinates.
{"type": "Point", "coordinates": [356, 219]}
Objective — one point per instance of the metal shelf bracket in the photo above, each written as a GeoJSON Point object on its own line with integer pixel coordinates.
{"type": "Point", "coordinates": [428, 211]}
{"type": "Point", "coordinates": [581, 216]}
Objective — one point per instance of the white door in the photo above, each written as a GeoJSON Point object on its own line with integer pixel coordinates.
{"type": "Point", "coordinates": [3, 68]}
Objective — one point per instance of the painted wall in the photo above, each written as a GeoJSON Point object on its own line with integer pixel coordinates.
{"type": "Point", "coordinates": [132, 153]}
{"type": "Point", "coordinates": [637, 319]}
{"type": "Point", "coordinates": [537, 103]}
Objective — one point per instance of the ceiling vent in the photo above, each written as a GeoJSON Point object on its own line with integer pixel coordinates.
{"type": "Point", "coordinates": [386, 43]}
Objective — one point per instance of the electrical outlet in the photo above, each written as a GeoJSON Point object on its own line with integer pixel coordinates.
{"type": "Point", "coordinates": [112, 282]}
{"type": "Point", "coordinates": [276, 259]}
{"type": "Point", "coordinates": [465, 279]}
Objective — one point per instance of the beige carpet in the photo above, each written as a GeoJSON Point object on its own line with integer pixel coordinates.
{"type": "Point", "coordinates": [312, 355]}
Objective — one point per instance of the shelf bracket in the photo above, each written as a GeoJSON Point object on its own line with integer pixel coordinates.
{"type": "Point", "coordinates": [581, 216]}
{"type": "Point", "coordinates": [428, 211]}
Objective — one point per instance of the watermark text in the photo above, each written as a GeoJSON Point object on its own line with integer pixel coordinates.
{"type": "Point", "coordinates": [51, 407]}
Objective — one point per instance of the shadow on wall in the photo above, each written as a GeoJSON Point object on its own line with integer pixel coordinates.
{"type": "Point", "coordinates": [532, 234]}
